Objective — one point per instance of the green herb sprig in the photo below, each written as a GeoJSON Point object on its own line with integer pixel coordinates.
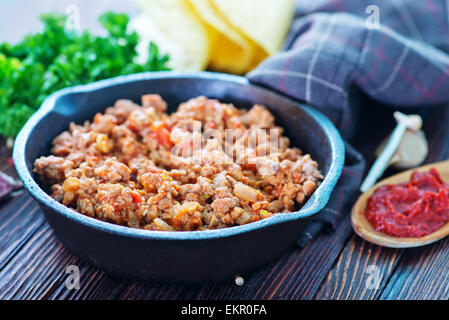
{"type": "Point", "coordinates": [58, 57]}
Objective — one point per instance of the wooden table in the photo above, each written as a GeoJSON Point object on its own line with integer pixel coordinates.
{"type": "Point", "coordinates": [335, 265]}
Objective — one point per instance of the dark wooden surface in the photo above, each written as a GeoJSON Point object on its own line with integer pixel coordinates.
{"type": "Point", "coordinates": [334, 265]}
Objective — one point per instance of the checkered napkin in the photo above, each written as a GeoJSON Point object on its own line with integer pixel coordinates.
{"type": "Point", "coordinates": [395, 51]}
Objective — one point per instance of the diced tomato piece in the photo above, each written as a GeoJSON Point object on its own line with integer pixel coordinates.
{"type": "Point", "coordinates": [136, 197]}
{"type": "Point", "coordinates": [161, 134]}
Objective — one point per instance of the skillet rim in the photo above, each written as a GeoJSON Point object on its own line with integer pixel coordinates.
{"type": "Point", "coordinates": [315, 204]}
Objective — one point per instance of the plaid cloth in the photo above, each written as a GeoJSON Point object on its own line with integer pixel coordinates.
{"type": "Point", "coordinates": [335, 49]}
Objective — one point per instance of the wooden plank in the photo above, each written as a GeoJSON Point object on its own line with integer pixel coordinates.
{"type": "Point", "coordinates": [38, 271]}
{"type": "Point", "coordinates": [94, 284]}
{"type": "Point", "coordinates": [423, 273]}
{"type": "Point", "coordinates": [18, 222]}
{"type": "Point", "coordinates": [362, 270]}
{"type": "Point", "coordinates": [140, 290]}
{"type": "Point", "coordinates": [24, 273]}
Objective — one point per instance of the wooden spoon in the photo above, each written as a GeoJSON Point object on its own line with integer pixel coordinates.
{"type": "Point", "coordinates": [363, 227]}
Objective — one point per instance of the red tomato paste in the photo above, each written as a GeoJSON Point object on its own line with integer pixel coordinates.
{"type": "Point", "coordinates": [413, 209]}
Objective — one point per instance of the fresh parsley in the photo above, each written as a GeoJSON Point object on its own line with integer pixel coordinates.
{"type": "Point", "coordinates": [58, 57]}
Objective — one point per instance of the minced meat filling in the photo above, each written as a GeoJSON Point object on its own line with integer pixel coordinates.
{"type": "Point", "coordinates": [208, 165]}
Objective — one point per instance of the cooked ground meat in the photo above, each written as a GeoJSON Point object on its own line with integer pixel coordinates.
{"type": "Point", "coordinates": [208, 165]}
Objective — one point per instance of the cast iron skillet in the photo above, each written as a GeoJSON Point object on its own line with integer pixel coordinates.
{"type": "Point", "coordinates": [177, 256]}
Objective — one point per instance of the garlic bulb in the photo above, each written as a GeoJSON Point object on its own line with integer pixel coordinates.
{"type": "Point", "coordinates": [412, 150]}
